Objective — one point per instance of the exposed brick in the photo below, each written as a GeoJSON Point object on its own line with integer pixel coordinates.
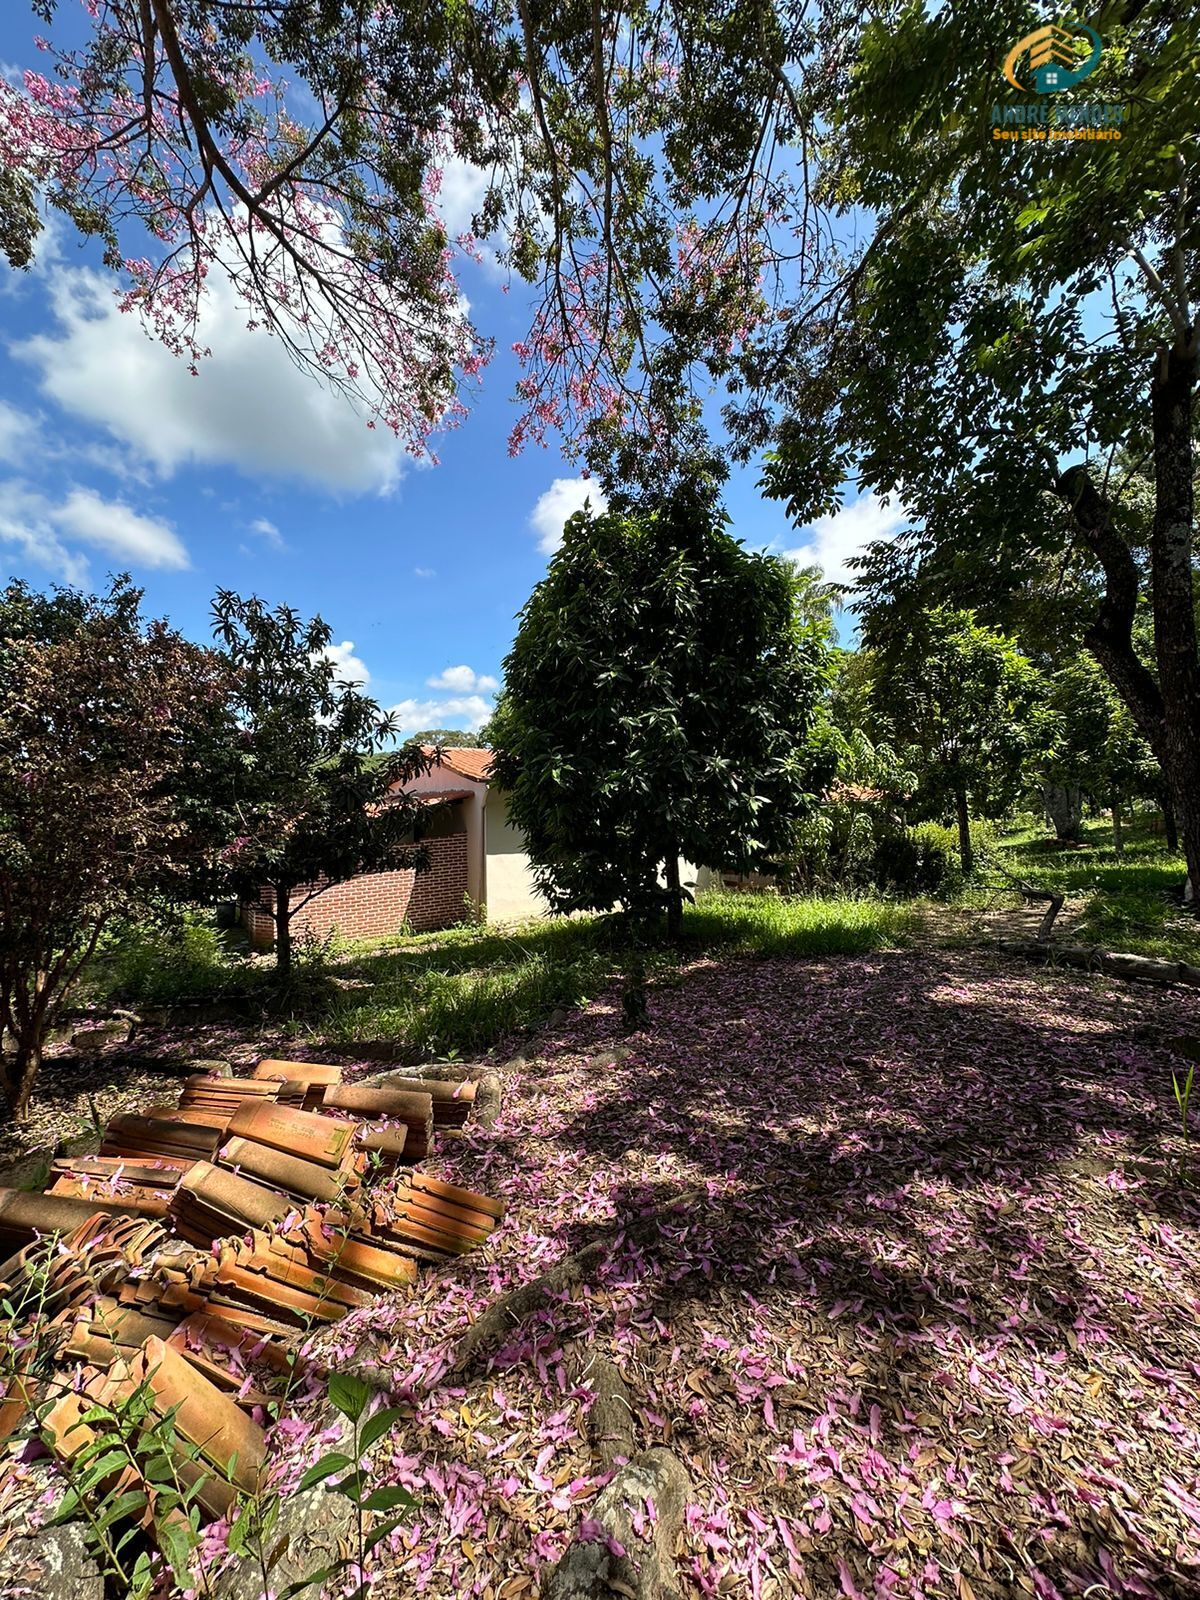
{"type": "Point", "coordinates": [378, 902]}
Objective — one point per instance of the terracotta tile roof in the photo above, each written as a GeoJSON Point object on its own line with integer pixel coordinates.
{"type": "Point", "coordinates": [475, 764]}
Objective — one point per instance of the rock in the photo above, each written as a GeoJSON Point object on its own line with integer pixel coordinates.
{"type": "Point", "coordinates": [214, 1068]}
{"type": "Point", "coordinates": [30, 1171]}
{"type": "Point", "coordinates": [59, 1565]}
{"type": "Point", "coordinates": [603, 1059]}
{"type": "Point", "coordinates": [312, 1531]}
{"type": "Point", "coordinates": [79, 1144]}
{"type": "Point", "coordinates": [90, 1041]}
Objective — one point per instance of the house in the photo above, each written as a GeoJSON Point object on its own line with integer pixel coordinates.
{"type": "Point", "coordinates": [477, 866]}
{"type": "Point", "coordinates": [499, 879]}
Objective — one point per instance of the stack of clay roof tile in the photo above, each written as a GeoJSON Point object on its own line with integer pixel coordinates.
{"type": "Point", "coordinates": [202, 1237]}
{"type": "Point", "coordinates": [312, 1083]}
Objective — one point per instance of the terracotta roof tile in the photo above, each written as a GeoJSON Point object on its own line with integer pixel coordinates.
{"type": "Point", "coordinates": [475, 764]}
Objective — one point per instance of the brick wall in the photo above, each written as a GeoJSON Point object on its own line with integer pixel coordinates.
{"type": "Point", "coordinates": [380, 902]}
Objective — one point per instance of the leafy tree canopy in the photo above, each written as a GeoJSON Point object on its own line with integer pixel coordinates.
{"type": "Point", "coordinates": [659, 703]}
{"type": "Point", "coordinates": [309, 805]}
{"type": "Point", "coordinates": [109, 729]}
{"type": "Point", "coordinates": [960, 698]}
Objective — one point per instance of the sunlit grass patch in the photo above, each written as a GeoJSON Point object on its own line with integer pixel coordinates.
{"type": "Point", "coordinates": [816, 925]}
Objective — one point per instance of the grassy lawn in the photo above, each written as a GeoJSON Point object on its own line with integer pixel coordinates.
{"type": "Point", "coordinates": [458, 992]}
{"type": "Point", "coordinates": [1125, 902]}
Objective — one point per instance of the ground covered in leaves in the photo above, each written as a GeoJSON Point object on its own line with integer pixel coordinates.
{"type": "Point", "coordinates": [927, 1324]}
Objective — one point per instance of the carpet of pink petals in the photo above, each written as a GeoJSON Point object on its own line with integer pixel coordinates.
{"type": "Point", "coordinates": [927, 1326]}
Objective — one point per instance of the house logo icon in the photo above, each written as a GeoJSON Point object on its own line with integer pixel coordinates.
{"type": "Point", "coordinates": [1054, 57]}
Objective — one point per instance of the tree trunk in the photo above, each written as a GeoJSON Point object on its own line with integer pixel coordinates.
{"type": "Point", "coordinates": [1063, 803]}
{"type": "Point", "coordinates": [1172, 579]}
{"type": "Point", "coordinates": [675, 894]}
{"type": "Point", "coordinates": [965, 852]}
{"type": "Point", "coordinates": [1118, 836]}
{"type": "Point", "coordinates": [20, 1078]}
{"type": "Point", "coordinates": [1170, 826]}
{"type": "Point", "coordinates": [283, 929]}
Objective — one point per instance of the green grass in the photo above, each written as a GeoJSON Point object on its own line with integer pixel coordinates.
{"type": "Point", "coordinates": [818, 925]}
{"type": "Point", "coordinates": [456, 993]}
{"type": "Point", "coordinates": [1126, 901]}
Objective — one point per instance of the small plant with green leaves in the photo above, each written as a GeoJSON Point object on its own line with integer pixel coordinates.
{"type": "Point", "coordinates": [124, 1481]}
{"type": "Point", "coordinates": [376, 1512]}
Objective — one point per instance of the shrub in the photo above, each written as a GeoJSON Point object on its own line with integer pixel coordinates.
{"type": "Point", "coordinates": [924, 859]}
{"type": "Point", "coordinates": [164, 964]}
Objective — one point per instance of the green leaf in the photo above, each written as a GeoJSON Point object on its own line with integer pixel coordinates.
{"type": "Point", "coordinates": [324, 1468]}
{"type": "Point", "coordinates": [352, 1486]}
{"type": "Point", "coordinates": [374, 1428]}
{"type": "Point", "coordinates": [349, 1394]}
{"type": "Point", "coordinates": [125, 1505]}
{"type": "Point", "coordinates": [381, 1531]}
{"type": "Point", "coordinates": [388, 1499]}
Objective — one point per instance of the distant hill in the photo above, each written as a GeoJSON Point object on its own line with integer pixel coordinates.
{"type": "Point", "coordinates": [453, 738]}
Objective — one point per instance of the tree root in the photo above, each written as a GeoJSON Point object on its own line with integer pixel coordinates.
{"type": "Point", "coordinates": [610, 1420]}
{"type": "Point", "coordinates": [489, 1331]}
{"type": "Point", "coordinates": [626, 1543]}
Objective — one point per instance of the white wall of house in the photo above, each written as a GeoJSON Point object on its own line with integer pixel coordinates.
{"type": "Point", "coordinates": [499, 876]}
{"type": "Point", "coordinates": [509, 889]}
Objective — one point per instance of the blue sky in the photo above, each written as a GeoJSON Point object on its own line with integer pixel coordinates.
{"type": "Point", "coordinates": [252, 477]}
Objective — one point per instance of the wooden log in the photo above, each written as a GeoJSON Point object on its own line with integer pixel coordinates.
{"type": "Point", "coordinates": [645, 1569]}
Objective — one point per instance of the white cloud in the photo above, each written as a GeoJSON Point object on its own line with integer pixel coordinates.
{"type": "Point", "coordinates": [461, 194]}
{"type": "Point", "coordinates": [468, 712]}
{"type": "Point", "coordinates": [424, 572]}
{"type": "Point", "coordinates": [143, 541]}
{"type": "Point", "coordinates": [463, 680]}
{"type": "Point", "coordinates": [27, 527]}
{"type": "Point", "coordinates": [561, 500]}
{"type": "Point", "coordinates": [268, 532]}
{"type": "Point", "coordinates": [834, 539]}
{"type": "Point", "coordinates": [347, 667]}
{"type": "Point", "coordinates": [17, 434]}
{"type": "Point", "coordinates": [248, 408]}
{"type": "Point", "coordinates": [40, 530]}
